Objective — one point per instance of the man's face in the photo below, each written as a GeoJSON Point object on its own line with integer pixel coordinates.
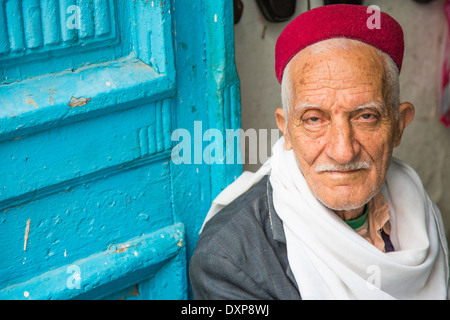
{"type": "Point", "coordinates": [339, 126]}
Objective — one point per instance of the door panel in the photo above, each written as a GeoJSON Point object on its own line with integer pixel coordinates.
{"type": "Point", "coordinates": [80, 78]}
{"type": "Point", "coordinates": [91, 204]}
{"type": "Point", "coordinates": [56, 35]}
{"type": "Point", "coordinates": [139, 260]}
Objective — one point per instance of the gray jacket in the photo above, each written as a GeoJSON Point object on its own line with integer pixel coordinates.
{"type": "Point", "coordinates": [241, 252]}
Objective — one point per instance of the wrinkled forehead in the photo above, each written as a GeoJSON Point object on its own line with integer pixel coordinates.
{"type": "Point", "coordinates": [339, 55]}
{"type": "Point", "coordinates": [338, 62]}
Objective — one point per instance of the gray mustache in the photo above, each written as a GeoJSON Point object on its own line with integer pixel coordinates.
{"type": "Point", "coordinates": [356, 165]}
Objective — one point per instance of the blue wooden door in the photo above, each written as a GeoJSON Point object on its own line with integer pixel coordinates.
{"type": "Point", "coordinates": [92, 203]}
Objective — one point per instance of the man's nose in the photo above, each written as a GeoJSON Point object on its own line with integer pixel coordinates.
{"type": "Point", "coordinates": [342, 146]}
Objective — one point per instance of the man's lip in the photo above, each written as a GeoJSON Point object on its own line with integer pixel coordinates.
{"type": "Point", "coordinates": [341, 171]}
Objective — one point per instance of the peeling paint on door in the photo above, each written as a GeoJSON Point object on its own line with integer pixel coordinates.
{"type": "Point", "coordinates": [77, 102]}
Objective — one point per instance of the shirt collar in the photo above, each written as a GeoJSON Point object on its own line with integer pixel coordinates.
{"type": "Point", "coordinates": [377, 221]}
{"type": "Point", "coordinates": [379, 213]}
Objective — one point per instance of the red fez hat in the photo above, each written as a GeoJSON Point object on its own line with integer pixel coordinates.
{"type": "Point", "coordinates": [339, 21]}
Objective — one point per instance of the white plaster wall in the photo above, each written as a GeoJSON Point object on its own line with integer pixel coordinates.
{"type": "Point", "coordinates": [426, 142]}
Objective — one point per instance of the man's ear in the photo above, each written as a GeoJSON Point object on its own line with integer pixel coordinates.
{"type": "Point", "coordinates": [405, 116]}
{"type": "Point", "coordinates": [282, 125]}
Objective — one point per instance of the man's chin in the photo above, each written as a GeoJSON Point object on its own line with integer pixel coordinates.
{"type": "Point", "coordinates": [345, 201]}
{"type": "Point", "coordinates": [343, 206]}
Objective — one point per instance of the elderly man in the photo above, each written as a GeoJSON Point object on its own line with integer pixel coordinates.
{"type": "Point", "coordinates": [331, 215]}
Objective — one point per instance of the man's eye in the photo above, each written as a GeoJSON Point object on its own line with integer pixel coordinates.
{"type": "Point", "coordinates": [368, 116]}
{"type": "Point", "coordinates": [313, 122]}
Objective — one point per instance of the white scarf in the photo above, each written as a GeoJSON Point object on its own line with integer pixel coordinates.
{"type": "Point", "coordinates": [331, 261]}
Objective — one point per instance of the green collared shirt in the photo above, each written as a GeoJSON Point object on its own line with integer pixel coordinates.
{"type": "Point", "coordinates": [359, 222]}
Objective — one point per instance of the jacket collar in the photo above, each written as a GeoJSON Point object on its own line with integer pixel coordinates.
{"type": "Point", "coordinates": [275, 222]}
